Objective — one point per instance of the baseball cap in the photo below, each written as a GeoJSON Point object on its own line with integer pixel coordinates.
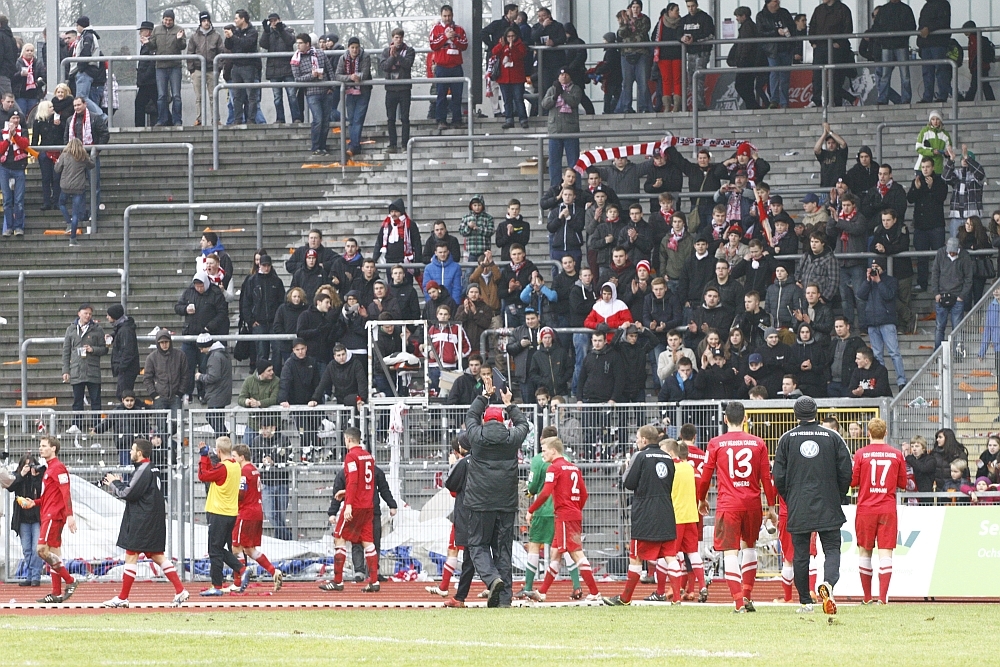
{"type": "Point", "coordinates": [204, 15]}
{"type": "Point", "coordinates": [756, 358]}
{"type": "Point", "coordinates": [776, 199]}
{"type": "Point", "coordinates": [952, 245]}
{"type": "Point", "coordinates": [266, 260]}
{"type": "Point", "coordinates": [810, 199]}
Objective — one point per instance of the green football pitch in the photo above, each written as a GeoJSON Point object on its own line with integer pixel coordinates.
{"type": "Point", "coordinates": [904, 634]}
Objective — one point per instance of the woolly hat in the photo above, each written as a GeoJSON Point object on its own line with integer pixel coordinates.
{"type": "Point", "coordinates": [744, 149]}
{"type": "Point", "coordinates": [83, 21]}
{"type": "Point", "coordinates": [116, 311]}
{"type": "Point", "coordinates": [770, 331]}
{"type": "Point", "coordinates": [805, 409]}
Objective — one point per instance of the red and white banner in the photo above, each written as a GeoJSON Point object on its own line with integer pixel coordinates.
{"type": "Point", "coordinates": [592, 157]}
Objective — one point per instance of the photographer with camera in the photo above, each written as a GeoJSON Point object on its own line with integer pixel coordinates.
{"type": "Point", "coordinates": [878, 293]}
{"type": "Point", "coordinates": [951, 284]}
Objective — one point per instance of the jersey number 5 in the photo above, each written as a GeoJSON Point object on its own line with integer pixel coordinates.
{"type": "Point", "coordinates": [369, 473]}
{"type": "Point", "coordinates": [739, 462]}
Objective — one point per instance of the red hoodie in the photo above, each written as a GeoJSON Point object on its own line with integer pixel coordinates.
{"type": "Point", "coordinates": [448, 52]}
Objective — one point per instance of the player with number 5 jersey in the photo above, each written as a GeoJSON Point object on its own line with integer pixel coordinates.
{"type": "Point", "coordinates": [879, 470]}
{"type": "Point", "coordinates": [354, 521]}
{"type": "Point", "coordinates": [743, 469]}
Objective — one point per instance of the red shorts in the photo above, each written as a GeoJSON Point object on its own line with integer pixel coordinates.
{"type": "Point", "coordinates": [732, 527]}
{"type": "Point", "coordinates": [50, 533]}
{"type": "Point", "coordinates": [643, 550]}
{"type": "Point", "coordinates": [247, 533]}
{"type": "Point", "coordinates": [358, 529]}
{"type": "Point", "coordinates": [872, 528]}
{"type": "Point", "coordinates": [569, 536]}
{"type": "Point", "coordinates": [687, 537]}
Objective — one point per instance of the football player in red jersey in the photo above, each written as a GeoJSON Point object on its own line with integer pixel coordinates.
{"type": "Point", "coordinates": [249, 526]}
{"type": "Point", "coordinates": [564, 484]}
{"type": "Point", "coordinates": [354, 521]}
{"type": "Point", "coordinates": [697, 457]}
{"type": "Point", "coordinates": [878, 471]}
{"type": "Point", "coordinates": [56, 509]}
{"type": "Point", "coordinates": [743, 470]}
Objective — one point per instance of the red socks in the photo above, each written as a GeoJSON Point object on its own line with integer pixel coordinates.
{"type": "Point", "coordinates": [171, 574]}
{"type": "Point", "coordinates": [749, 571]}
{"type": "Point", "coordinates": [371, 562]}
{"type": "Point", "coordinates": [550, 575]}
{"type": "Point", "coordinates": [634, 572]}
{"type": "Point", "coordinates": [262, 560]}
{"type": "Point", "coordinates": [587, 575]}
{"type": "Point", "coordinates": [731, 561]}
{"type": "Point", "coordinates": [128, 577]}
{"type": "Point", "coordinates": [865, 570]}
{"type": "Point", "coordinates": [448, 571]}
{"type": "Point", "coordinates": [884, 575]}
{"type": "Point", "coordinates": [661, 577]}
{"type": "Point", "coordinates": [339, 558]}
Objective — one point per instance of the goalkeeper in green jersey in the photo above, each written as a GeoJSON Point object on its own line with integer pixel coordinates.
{"type": "Point", "coordinates": [542, 529]}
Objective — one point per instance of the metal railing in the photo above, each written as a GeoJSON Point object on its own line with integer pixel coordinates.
{"type": "Point", "coordinates": [342, 108]}
{"type": "Point", "coordinates": [258, 207]}
{"type": "Point", "coordinates": [829, 39]}
{"type": "Point", "coordinates": [28, 342]}
{"type": "Point", "coordinates": [98, 148]}
{"type": "Point", "coordinates": [178, 58]}
{"type": "Point", "coordinates": [22, 277]}
{"type": "Point", "coordinates": [825, 69]}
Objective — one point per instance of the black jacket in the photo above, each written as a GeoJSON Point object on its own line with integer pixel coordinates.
{"type": "Point", "coordinates": [491, 485]}
{"type": "Point", "coordinates": [672, 392]}
{"type": "Point", "coordinates": [286, 320]}
{"type": "Point", "coordinates": [812, 473]}
{"type": "Point", "coordinates": [146, 70]}
{"type": "Point", "coordinates": [696, 276]}
{"type": "Point", "coordinates": [211, 312]}
{"type": "Point", "coordinates": [634, 359]}
{"type": "Point", "coordinates": [768, 25]}
{"type": "Point", "coordinates": [551, 368]}
{"type": "Point", "coordinates": [924, 471]}
{"type": "Point", "coordinates": [327, 259]}
{"type": "Point", "coordinates": [98, 128]}
{"type": "Point", "coordinates": [699, 26]}
{"type": "Point", "coordinates": [716, 382]}
{"type": "Point", "coordinates": [125, 349]}
{"type": "Point", "coordinates": [650, 476]}
{"type": "Point", "coordinates": [894, 17]}
{"type": "Point", "coordinates": [280, 39]}
{"type": "Point", "coordinates": [895, 241]}
{"type": "Point", "coordinates": [456, 483]}
{"type": "Point", "coordinates": [309, 280]}
{"type": "Point", "coordinates": [299, 379]}
{"type": "Point", "coordinates": [464, 390]}
{"type": "Point", "coordinates": [860, 179]}
{"type": "Point", "coordinates": [266, 294]}
{"type": "Point", "coordinates": [277, 448]}
{"type": "Point", "coordinates": [407, 301]}
{"type": "Point", "coordinates": [873, 203]}
{"type": "Point", "coordinates": [707, 180]}
{"type": "Point", "coordinates": [144, 524]}
{"type": "Point", "coordinates": [928, 203]}
{"type": "Point", "coordinates": [29, 486]}
{"type": "Point", "coordinates": [453, 247]}
{"type": "Point", "coordinates": [343, 381]}
{"type": "Point", "coordinates": [934, 15]}
{"type": "Point", "coordinates": [812, 382]}
{"type": "Point", "coordinates": [562, 284]}
{"type": "Point", "coordinates": [666, 311]}
{"type": "Point", "coordinates": [319, 331]}
{"type": "Point", "coordinates": [780, 359]}
{"type": "Point", "coordinates": [126, 424]}
{"type": "Point", "coordinates": [9, 53]}
{"type": "Point", "coordinates": [602, 376]}
{"type": "Point", "coordinates": [244, 41]}
{"type": "Point", "coordinates": [874, 380]}
{"type": "Point", "coordinates": [581, 302]}
{"type": "Point", "coordinates": [521, 233]}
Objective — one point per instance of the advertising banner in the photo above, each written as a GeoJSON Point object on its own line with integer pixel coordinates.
{"type": "Point", "coordinates": [941, 551]}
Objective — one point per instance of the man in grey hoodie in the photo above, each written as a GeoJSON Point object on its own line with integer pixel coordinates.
{"type": "Point", "coordinates": [217, 380]}
{"type": "Point", "coordinates": [951, 285]}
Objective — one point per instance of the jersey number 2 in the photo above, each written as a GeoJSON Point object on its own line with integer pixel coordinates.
{"type": "Point", "coordinates": [575, 478]}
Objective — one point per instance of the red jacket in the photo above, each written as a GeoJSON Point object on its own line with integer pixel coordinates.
{"type": "Point", "coordinates": [511, 61]}
{"type": "Point", "coordinates": [448, 52]}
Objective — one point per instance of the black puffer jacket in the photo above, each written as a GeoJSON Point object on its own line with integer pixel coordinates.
{"type": "Point", "coordinates": [299, 379]}
{"type": "Point", "coordinates": [491, 485]}
{"type": "Point", "coordinates": [279, 39]}
{"type": "Point", "coordinates": [551, 368]}
{"type": "Point", "coordinates": [124, 349]}
{"type": "Point", "coordinates": [309, 280]}
{"type": "Point", "coordinates": [144, 524]}
{"type": "Point", "coordinates": [407, 301]}
{"type": "Point", "coordinates": [267, 293]}
{"type": "Point", "coordinates": [634, 362]}
{"type": "Point", "coordinates": [287, 318]}
{"type": "Point", "coordinates": [650, 475]}
{"type": "Point", "coordinates": [812, 472]}
{"type": "Point", "coordinates": [319, 331]}
{"type": "Point", "coordinates": [211, 312]}
{"type": "Point", "coordinates": [602, 377]}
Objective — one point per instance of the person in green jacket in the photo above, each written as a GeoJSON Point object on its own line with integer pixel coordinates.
{"type": "Point", "coordinates": [542, 529]}
{"type": "Point", "coordinates": [259, 390]}
{"type": "Point", "coordinates": [933, 141]}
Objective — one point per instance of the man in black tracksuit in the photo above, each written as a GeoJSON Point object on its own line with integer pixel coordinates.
{"type": "Point", "coordinates": [491, 491]}
{"type": "Point", "coordinates": [460, 518]}
{"type": "Point", "coordinates": [381, 489]}
{"type": "Point", "coordinates": [812, 473]}
{"type": "Point", "coordinates": [650, 476]}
